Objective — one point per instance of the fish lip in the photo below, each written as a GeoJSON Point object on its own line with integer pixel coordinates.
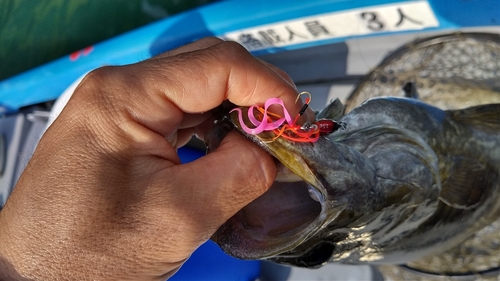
{"type": "Point", "coordinates": [276, 245]}
{"type": "Point", "coordinates": [277, 148]}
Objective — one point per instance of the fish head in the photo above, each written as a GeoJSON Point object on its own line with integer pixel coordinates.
{"type": "Point", "coordinates": [315, 187]}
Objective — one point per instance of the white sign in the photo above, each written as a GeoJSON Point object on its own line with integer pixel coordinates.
{"type": "Point", "coordinates": [367, 20]}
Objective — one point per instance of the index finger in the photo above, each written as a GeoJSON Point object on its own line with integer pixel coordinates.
{"type": "Point", "coordinates": [198, 81]}
{"type": "Point", "coordinates": [240, 59]}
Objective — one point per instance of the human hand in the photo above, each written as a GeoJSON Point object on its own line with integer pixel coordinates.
{"type": "Point", "coordinates": [105, 196]}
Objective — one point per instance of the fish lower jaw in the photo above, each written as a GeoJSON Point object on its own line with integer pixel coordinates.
{"type": "Point", "coordinates": [290, 213]}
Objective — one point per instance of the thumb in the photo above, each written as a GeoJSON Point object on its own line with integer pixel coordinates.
{"type": "Point", "coordinates": [221, 183]}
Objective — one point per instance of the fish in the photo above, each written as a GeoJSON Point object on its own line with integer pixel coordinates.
{"type": "Point", "coordinates": [413, 172]}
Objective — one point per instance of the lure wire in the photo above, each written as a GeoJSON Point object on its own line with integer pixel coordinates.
{"type": "Point", "coordinates": [284, 126]}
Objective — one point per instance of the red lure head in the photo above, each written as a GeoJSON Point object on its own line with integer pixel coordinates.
{"type": "Point", "coordinates": [328, 126]}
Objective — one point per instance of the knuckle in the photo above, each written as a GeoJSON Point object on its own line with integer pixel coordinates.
{"type": "Point", "coordinates": [233, 50]}
{"type": "Point", "coordinates": [99, 76]}
{"type": "Point", "coordinates": [210, 41]}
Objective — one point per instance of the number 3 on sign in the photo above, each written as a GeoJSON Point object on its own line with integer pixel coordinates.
{"type": "Point", "coordinates": [373, 22]}
{"type": "Point", "coordinates": [396, 18]}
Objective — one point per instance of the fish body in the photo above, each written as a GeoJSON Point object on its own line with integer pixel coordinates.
{"type": "Point", "coordinates": [404, 179]}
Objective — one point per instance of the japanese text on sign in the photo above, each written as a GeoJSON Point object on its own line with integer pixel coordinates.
{"type": "Point", "coordinates": [394, 17]}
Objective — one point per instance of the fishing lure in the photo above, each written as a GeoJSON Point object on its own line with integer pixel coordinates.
{"type": "Point", "coordinates": [285, 126]}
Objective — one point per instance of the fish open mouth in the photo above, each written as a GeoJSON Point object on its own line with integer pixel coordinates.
{"type": "Point", "coordinates": [277, 221]}
{"type": "Point", "coordinates": [284, 210]}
